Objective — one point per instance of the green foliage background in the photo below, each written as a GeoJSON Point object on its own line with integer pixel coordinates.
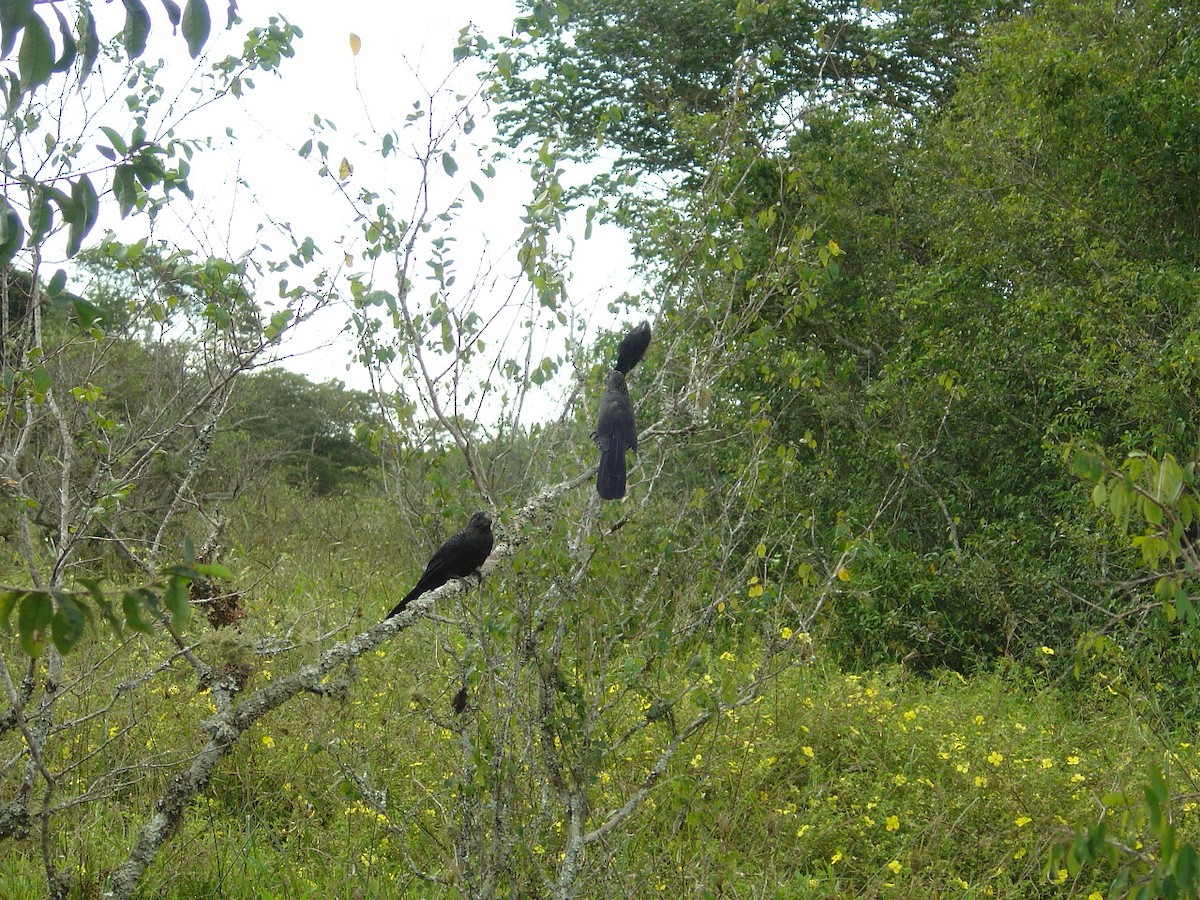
{"type": "Point", "coordinates": [899, 603]}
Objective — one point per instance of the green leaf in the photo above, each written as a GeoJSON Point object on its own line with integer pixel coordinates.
{"type": "Point", "coordinates": [175, 599]}
{"type": "Point", "coordinates": [12, 233]}
{"type": "Point", "coordinates": [87, 313]}
{"type": "Point", "coordinates": [196, 25]}
{"type": "Point", "coordinates": [42, 380]}
{"type": "Point", "coordinates": [277, 325]}
{"type": "Point", "coordinates": [214, 570]}
{"type": "Point", "coordinates": [66, 627]}
{"type": "Point", "coordinates": [33, 617]}
{"type": "Point", "coordinates": [70, 49]}
{"type": "Point", "coordinates": [188, 572]}
{"type": "Point", "coordinates": [85, 207]}
{"type": "Point", "coordinates": [41, 216]}
{"type": "Point", "coordinates": [1087, 465]}
{"type": "Point", "coordinates": [133, 603]}
{"type": "Point", "coordinates": [8, 602]}
{"type": "Point", "coordinates": [13, 16]}
{"type": "Point", "coordinates": [1187, 609]}
{"type": "Point", "coordinates": [172, 9]}
{"type": "Point", "coordinates": [137, 28]}
{"type": "Point", "coordinates": [114, 138]}
{"type": "Point", "coordinates": [89, 43]}
{"type": "Point", "coordinates": [57, 282]}
{"type": "Point", "coordinates": [125, 189]}
{"type": "Point", "coordinates": [102, 603]}
{"type": "Point", "coordinates": [449, 164]}
{"type": "Point", "coordinates": [1187, 869]}
{"type": "Point", "coordinates": [36, 58]}
{"type": "Point", "coordinates": [1170, 480]}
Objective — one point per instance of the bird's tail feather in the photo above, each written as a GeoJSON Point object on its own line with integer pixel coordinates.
{"type": "Point", "coordinates": [610, 476]}
{"type": "Point", "coordinates": [408, 598]}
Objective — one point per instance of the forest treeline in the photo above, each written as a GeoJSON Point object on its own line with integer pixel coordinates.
{"type": "Point", "coordinates": [976, 229]}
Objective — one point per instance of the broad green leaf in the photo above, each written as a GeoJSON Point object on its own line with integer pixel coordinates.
{"type": "Point", "coordinates": [66, 627]}
{"type": "Point", "coordinates": [541, 15]}
{"type": "Point", "coordinates": [449, 164]}
{"type": "Point", "coordinates": [70, 49]}
{"type": "Point", "coordinates": [188, 572]}
{"type": "Point", "coordinates": [1087, 465]}
{"type": "Point", "coordinates": [137, 28]}
{"type": "Point", "coordinates": [135, 604]}
{"type": "Point", "coordinates": [175, 599]}
{"type": "Point", "coordinates": [196, 25]}
{"type": "Point", "coordinates": [12, 233]}
{"type": "Point", "coordinates": [8, 602]}
{"type": "Point", "coordinates": [41, 216]}
{"type": "Point", "coordinates": [33, 618]}
{"type": "Point", "coordinates": [277, 325]}
{"type": "Point", "coordinates": [89, 43]}
{"type": "Point", "coordinates": [1187, 609]}
{"type": "Point", "coordinates": [85, 207]}
{"type": "Point", "coordinates": [172, 12]}
{"type": "Point", "coordinates": [13, 16]}
{"type": "Point", "coordinates": [36, 58]}
{"type": "Point", "coordinates": [102, 603]}
{"type": "Point", "coordinates": [87, 313]}
{"type": "Point", "coordinates": [125, 189]}
{"type": "Point", "coordinates": [114, 138]}
{"type": "Point", "coordinates": [1170, 480]}
{"type": "Point", "coordinates": [57, 282]}
{"type": "Point", "coordinates": [42, 380]}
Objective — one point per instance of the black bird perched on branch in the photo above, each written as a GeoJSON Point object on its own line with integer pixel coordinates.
{"type": "Point", "coordinates": [459, 557]}
{"type": "Point", "coordinates": [632, 348]}
{"type": "Point", "coordinates": [615, 433]}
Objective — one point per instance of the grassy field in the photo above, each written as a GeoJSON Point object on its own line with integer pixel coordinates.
{"type": "Point", "coordinates": [829, 784]}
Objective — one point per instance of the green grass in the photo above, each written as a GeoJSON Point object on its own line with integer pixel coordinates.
{"type": "Point", "coordinates": [880, 784]}
{"type": "Point", "coordinates": [832, 785]}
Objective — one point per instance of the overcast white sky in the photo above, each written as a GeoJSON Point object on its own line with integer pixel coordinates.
{"type": "Point", "coordinates": [406, 52]}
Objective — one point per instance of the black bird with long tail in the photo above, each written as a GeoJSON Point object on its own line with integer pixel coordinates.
{"type": "Point", "coordinates": [461, 555]}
